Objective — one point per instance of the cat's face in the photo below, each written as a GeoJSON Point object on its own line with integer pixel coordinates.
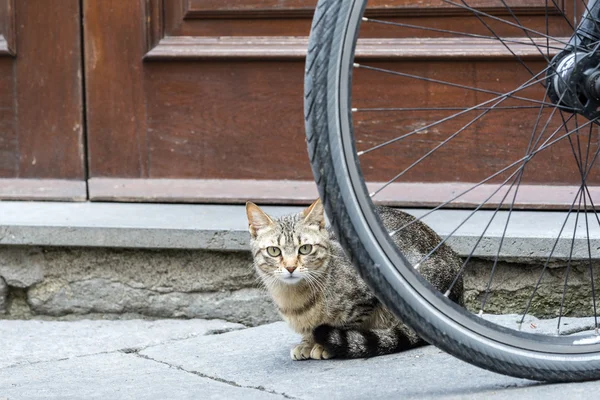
{"type": "Point", "coordinates": [290, 249]}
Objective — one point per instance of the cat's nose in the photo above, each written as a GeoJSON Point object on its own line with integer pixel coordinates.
{"type": "Point", "coordinates": [290, 269]}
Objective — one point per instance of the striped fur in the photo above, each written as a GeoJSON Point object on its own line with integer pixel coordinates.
{"type": "Point", "coordinates": [323, 298]}
{"type": "Point", "coordinates": [360, 343]}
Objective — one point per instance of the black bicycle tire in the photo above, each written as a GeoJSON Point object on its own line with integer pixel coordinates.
{"type": "Point", "coordinates": [325, 93]}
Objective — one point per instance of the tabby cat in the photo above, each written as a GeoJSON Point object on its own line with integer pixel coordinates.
{"type": "Point", "coordinates": [320, 295]}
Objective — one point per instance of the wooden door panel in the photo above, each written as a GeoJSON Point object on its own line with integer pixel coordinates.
{"type": "Point", "coordinates": [293, 17]}
{"type": "Point", "coordinates": [8, 134]}
{"type": "Point", "coordinates": [204, 102]}
{"type": "Point", "coordinates": [478, 151]}
{"type": "Point", "coordinates": [243, 124]}
{"type": "Point", "coordinates": [41, 108]}
{"type": "Point", "coordinates": [115, 96]}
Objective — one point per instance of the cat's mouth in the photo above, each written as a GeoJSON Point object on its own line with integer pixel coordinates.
{"type": "Point", "coordinates": [290, 279]}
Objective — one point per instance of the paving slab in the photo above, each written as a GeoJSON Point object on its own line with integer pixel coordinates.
{"type": "Point", "coordinates": [167, 360]}
{"type": "Point", "coordinates": [260, 357]}
{"type": "Point", "coordinates": [115, 376]}
{"type": "Point", "coordinates": [26, 342]}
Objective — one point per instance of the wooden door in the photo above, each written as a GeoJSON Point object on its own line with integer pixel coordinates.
{"type": "Point", "coordinates": [202, 100]}
{"type": "Point", "coordinates": [196, 100]}
{"type": "Point", "coordinates": [41, 108]}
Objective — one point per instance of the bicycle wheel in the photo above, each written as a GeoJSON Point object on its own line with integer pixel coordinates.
{"type": "Point", "coordinates": [342, 135]}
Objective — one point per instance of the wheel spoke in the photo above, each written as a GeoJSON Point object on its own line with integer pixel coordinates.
{"type": "Point", "coordinates": [489, 28]}
{"type": "Point", "coordinates": [513, 164]}
{"type": "Point", "coordinates": [539, 281]}
{"type": "Point", "coordinates": [458, 33]}
{"type": "Point", "coordinates": [464, 264]}
{"type": "Point", "coordinates": [589, 248]}
{"type": "Point", "coordinates": [559, 234]}
{"type": "Point", "coordinates": [531, 82]}
{"type": "Point", "coordinates": [395, 178]}
{"type": "Point", "coordinates": [430, 152]}
{"type": "Point", "coordinates": [525, 31]}
{"type": "Point", "coordinates": [452, 84]}
{"type": "Point", "coordinates": [532, 143]}
{"type": "Point", "coordinates": [584, 168]}
{"type": "Point", "coordinates": [561, 12]}
{"type": "Point", "coordinates": [489, 285]}
{"type": "Point", "coordinates": [562, 301]}
{"type": "Point", "coordinates": [417, 109]}
{"type": "Point", "coordinates": [520, 174]}
{"type": "Point", "coordinates": [464, 221]}
{"type": "Point", "coordinates": [479, 12]}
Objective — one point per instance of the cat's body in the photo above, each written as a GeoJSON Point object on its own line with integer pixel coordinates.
{"type": "Point", "coordinates": [327, 302]}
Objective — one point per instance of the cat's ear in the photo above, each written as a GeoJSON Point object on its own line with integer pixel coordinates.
{"type": "Point", "coordinates": [257, 218]}
{"type": "Point", "coordinates": [314, 214]}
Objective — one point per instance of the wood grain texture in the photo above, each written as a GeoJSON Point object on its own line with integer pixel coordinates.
{"type": "Point", "coordinates": [42, 189]}
{"type": "Point", "coordinates": [154, 10]}
{"type": "Point", "coordinates": [41, 108]}
{"type": "Point", "coordinates": [49, 90]}
{"type": "Point", "coordinates": [487, 140]}
{"type": "Point", "coordinates": [8, 45]}
{"type": "Point", "coordinates": [243, 120]}
{"type": "Point", "coordinates": [216, 116]}
{"type": "Point", "coordinates": [293, 17]}
{"type": "Point", "coordinates": [238, 191]}
{"type": "Point", "coordinates": [224, 120]}
{"type": "Point", "coordinates": [116, 113]}
{"type": "Point", "coordinates": [9, 137]}
{"type": "Point", "coordinates": [203, 191]}
{"type": "Point", "coordinates": [302, 8]}
{"type": "Point", "coordinates": [281, 48]}
{"type": "Point", "coordinates": [8, 133]}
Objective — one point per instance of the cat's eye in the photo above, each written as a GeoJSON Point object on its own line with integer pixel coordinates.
{"type": "Point", "coordinates": [305, 249]}
{"type": "Point", "coordinates": [274, 251]}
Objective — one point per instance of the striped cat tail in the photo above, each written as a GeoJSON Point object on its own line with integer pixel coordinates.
{"type": "Point", "coordinates": [354, 343]}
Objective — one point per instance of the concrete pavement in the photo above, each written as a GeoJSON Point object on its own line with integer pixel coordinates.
{"type": "Point", "coordinates": [198, 359]}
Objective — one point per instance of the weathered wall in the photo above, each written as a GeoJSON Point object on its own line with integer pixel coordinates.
{"type": "Point", "coordinates": [174, 284]}
{"type": "Point", "coordinates": [59, 282]}
{"type": "Point", "coordinates": [513, 285]}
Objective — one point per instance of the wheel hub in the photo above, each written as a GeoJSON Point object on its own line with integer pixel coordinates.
{"type": "Point", "coordinates": [574, 82]}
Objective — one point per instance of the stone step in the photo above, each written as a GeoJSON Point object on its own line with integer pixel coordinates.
{"type": "Point", "coordinates": [191, 261]}
{"type": "Point", "coordinates": [530, 234]}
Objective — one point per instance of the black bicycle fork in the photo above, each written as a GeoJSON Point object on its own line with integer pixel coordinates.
{"type": "Point", "coordinates": [574, 74]}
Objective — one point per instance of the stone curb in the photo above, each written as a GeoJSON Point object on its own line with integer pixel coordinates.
{"type": "Point", "coordinates": [531, 234]}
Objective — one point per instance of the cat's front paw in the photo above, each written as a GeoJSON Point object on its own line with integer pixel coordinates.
{"type": "Point", "coordinates": [318, 352]}
{"type": "Point", "coordinates": [301, 352]}
{"type": "Point", "coordinates": [309, 351]}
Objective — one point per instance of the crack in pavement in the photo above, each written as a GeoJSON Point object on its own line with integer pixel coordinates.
{"type": "Point", "coordinates": [128, 350]}
{"type": "Point", "coordinates": [28, 363]}
{"type": "Point", "coordinates": [214, 378]}
{"type": "Point", "coordinates": [213, 332]}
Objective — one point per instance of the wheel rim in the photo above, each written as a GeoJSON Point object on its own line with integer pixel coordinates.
{"type": "Point", "coordinates": [384, 252]}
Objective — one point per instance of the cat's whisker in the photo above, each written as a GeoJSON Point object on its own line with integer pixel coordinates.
{"type": "Point", "coordinates": [314, 277]}
{"type": "Point", "coordinates": [269, 281]}
{"type": "Point", "coordinates": [312, 284]}
{"type": "Point", "coordinates": [318, 284]}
